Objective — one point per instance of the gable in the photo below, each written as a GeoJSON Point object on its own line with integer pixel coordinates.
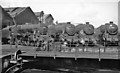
{"type": "Point", "coordinates": [22, 15]}
{"type": "Point", "coordinates": [6, 18]}
{"type": "Point", "coordinates": [46, 16]}
{"type": "Point", "coordinates": [14, 10]}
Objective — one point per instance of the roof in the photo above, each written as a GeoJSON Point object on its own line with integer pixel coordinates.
{"type": "Point", "coordinates": [22, 15]}
{"type": "Point", "coordinates": [47, 15]}
{"type": "Point", "coordinates": [37, 13]}
{"type": "Point", "coordinates": [6, 18]}
{"type": "Point", "coordinates": [14, 10]}
{"type": "Point", "coordinates": [4, 13]}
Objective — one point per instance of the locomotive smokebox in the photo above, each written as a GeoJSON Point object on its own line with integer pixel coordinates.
{"type": "Point", "coordinates": [112, 28]}
{"type": "Point", "coordinates": [88, 29]}
{"type": "Point", "coordinates": [111, 22]}
{"type": "Point", "coordinates": [68, 22]}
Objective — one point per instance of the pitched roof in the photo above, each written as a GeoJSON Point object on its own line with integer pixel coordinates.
{"type": "Point", "coordinates": [47, 15]}
{"type": "Point", "coordinates": [37, 13]}
{"type": "Point", "coordinates": [22, 15]}
{"type": "Point", "coordinates": [14, 10]}
{"type": "Point", "coordinates": [5, 14]}
{"type": "Point", "coordinates": [6, 18]}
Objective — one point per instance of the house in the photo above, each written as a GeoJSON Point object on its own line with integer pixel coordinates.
{"type": "Point", "coordinates": [48, 18]}
{"type": "Point", "coordinates": [39, 15]}
{"type": "Point", "coordinates": [22, 15]}
{"type": "Point", "coordinates": [5, 18]}
{"type": "Point", "coordinates": [44, 18]}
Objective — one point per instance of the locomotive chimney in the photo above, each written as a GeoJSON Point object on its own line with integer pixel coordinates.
{"type": "Point", "coordinates": [87, 22]}
{"type": "Point", "coordinates": [111, 22]}
{"type": "Point", "coordinates": [68, 22]}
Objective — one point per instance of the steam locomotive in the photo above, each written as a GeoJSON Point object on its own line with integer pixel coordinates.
{"type": "Point", "coordinates": [75, 48]}
{"type": "Point", "coordinates": [67, 35]}
{"type": "Point", "coordinates": [110, 33]}
{"type": "Point", "coordinates": [82, 35]}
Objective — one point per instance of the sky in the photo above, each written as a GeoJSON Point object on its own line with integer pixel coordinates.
{"type": "Point", "coordinates": [97, 12]}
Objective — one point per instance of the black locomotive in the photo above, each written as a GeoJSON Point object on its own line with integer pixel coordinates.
{"type": "Point", "coordinates": [69, 48]}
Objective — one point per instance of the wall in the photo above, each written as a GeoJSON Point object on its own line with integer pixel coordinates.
{"type": "Point", "coordinates": [26, 16]}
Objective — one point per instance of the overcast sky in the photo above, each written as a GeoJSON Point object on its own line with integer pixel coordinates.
{"type": "Point", "coordinates": [97, 12]}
